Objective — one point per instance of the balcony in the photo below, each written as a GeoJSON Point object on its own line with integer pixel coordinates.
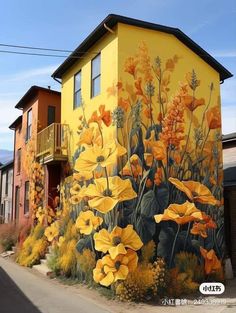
{"type": "Point", "coordinates": [52, 143]}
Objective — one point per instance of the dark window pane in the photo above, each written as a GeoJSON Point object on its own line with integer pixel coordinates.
{"type": "Point", "coordinates": [77, 100]}
{"type": "Point", "coordinates": [26, 204]}
{"type": "Point", "coordinates": [96, 66]}
{"type": "Point", "coordinates": [78, 81]}
{"type": "Point", "coordinates": [77, 91]}
{"type": "Point", "coordinates": [29, 125]}
{"type": "Point", "coordinates": [51, 115]}
{"type": "Point", "coordinates": [96, 86]}
{"type": "Point", "coordinates": [18, 161]}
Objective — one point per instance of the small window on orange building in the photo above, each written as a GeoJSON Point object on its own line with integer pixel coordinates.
{"type": "Point", "coordinates": [26, 202]}
{"type": "Point", "coordinates": [29, 125]}
{"type": "Point", "coordinates": [18, 161]}
{"type": "Point", "coordinates": [51, 114]}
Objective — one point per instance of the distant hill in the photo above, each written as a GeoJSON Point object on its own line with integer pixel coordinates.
{"type": "Point", "coordinates": [5, 156]}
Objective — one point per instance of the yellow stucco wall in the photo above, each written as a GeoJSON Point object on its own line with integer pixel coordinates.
{"type": "Point", "coordinates": [166, 46]}
{"type": "Point", "coordinates": [115, 49]}
{"type": "Point", "coordinates": [108, 47]}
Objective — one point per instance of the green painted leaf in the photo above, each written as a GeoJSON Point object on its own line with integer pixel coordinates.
{"type": "Point", "coordinates": [148, 206]}
{"type": "Point", "coordinates": [83, 243]}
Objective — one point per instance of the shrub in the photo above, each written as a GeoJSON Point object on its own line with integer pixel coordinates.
{"type": "Point", "coordinates": [8, 235]}
{"type": "Point", "coordinates": [86, 264]}
{"type": "Point", "coordinates": [186, 276]}
{"type": "Point", "coordinates": [145, 283]}
{"type": "Point", "coordinates": [33, 248]}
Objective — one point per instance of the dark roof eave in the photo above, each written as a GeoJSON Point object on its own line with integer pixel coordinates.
{"type": "Point", "coordinates": [112, 19]}
{"type": "Point", "coordinates": [30, 94]}
{"type": "Point", "coordinates": [16, 123]}
{"type": "Point", "coordinates": [9, 164]}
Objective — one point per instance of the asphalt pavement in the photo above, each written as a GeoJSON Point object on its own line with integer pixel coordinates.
{"type": "Point", "coordinates": [21, 291]}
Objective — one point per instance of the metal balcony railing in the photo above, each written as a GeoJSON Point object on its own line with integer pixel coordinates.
{"type": "Point", "coordinates": [52, 143]}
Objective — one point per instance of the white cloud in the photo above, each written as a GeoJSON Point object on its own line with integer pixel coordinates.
{"type": "Point", "coordinates": [228, 119]}
{"type": "Point", "coordinates": [29, 74]}
{"type": "Point", "coordinates": [228, 92]}
{"type": "Point", "coordinates": [224, 53]}
{"type": "Point", "coordinates": [9, 96]}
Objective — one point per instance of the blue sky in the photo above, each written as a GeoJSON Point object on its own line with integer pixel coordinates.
{"type": "Point", "coordinates": [63, 24]}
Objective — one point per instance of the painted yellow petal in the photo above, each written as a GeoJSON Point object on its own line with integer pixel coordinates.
{"type": "Point", "coordinates": [130, 238]}
{"type": "Point", "coordinates": [107, 280]}
{"type": "Point", "coordinates": [116, 232]}
{"type": "Point", "coordinates": [91, 191]}
{"type": "Point", "coordinates": [103, 204]}
{"type": "Point", "coordinates": [86, 230]}
{"type": "Point", "coordinates": [179, 185]}
{"type": "Point", "coordinates": [114, 251]}
{"type": "Point", "coordinates": [206, 200]}
{"type": "Point", "coordinates": [132, 258]}
{"type": "Point", "coordinates": [102, 240]}
{"type": "Point", "coordinates": [96, 221]}
{"type": "Point", "coordinates": [158, 218]}
{"type": "Point", "coordinates": [122, 273]}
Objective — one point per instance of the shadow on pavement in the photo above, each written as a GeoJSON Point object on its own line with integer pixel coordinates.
{"type": "Point", "coordinates": [12, 299]}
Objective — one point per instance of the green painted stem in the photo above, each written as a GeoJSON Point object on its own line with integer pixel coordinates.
{"type": "Point", "coordinates": [174, 244]}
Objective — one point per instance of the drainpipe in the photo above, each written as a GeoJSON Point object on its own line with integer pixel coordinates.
{"type": "Point", "coordinates": [108, 28]}
{"type": "Point", "coordinates": [57, 80]}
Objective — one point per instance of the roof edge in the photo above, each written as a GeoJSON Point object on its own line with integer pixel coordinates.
{"type": "Point", "coordinates": [112, 19]}
{"type": "Point", "coordinates": [31, 92]}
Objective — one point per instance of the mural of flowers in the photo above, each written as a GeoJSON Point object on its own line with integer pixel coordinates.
{"type": "Point", "coordinates": [156, 179]}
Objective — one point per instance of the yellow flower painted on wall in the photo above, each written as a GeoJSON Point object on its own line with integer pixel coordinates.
{"type": "Point", "coordinates": [200, 227]}
{"type": "Point", "coordinates": [82, 176]}
{"type": "Point", "coordinates": [87, 222]}
{"type": "Point", "coordinates": [117, 241]}
{"type": "Point", "coordinates": [52, 231]}
{"type": "Point", "coordinates": [212, 263]}
{"type": "Point", "coordinates": [106, 193]}
{"type": "Point", "coordinates": [77, 194]}
{"type": "Point", "coordinates": [96, 156]}
{"type": "Point", "coordinates": [40, 214]}
{"type": "Point", "coordinates": [110, 270]}
{"type": "Point", "coordinates": [213, 117]}
{"type": "Point", "coordinates": [180, 213]}
{"type": "Point", "coordinates": [195, 191]}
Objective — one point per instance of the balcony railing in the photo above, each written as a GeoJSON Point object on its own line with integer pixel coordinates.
{"type": "Point", "coordinates": [52, 143]}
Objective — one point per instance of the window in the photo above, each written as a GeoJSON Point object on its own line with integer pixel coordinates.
{"type": "Point", "coordinates": [17, 202]}
{"type": "Point", "coordinates": [29, 125]}
{"type": "Point", "coordinates": [51, 114]}
{"type": "Point", "coordinates": [26, 204]}
{"type": "Point", "coordinates": [77, 90]}
{"type": "Point", "coordinates": [18, 160]}
{"type": "Point", "coordinates": [96, 76]}
{"type": "Point", "coordinates": [6, 184]}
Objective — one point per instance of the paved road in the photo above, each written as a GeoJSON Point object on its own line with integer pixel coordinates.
{"type": "Point", "coordinates": [18, 285]}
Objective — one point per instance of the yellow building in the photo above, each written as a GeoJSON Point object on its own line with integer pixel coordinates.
{"type": "Point", "coordinates": [142, 102]}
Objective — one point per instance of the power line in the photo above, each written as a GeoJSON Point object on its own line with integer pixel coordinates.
{"type": "Point", "coordinates": [42, 49]}
{"type": "Point", "coordinates": [41, 54]}
{"type": "Point", "coordinates": [33, 48]}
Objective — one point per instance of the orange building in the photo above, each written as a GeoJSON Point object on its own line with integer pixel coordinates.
{"type": "Point", "coordinates": [41, 109]}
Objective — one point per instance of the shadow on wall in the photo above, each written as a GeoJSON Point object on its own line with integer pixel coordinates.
{"type": "Point", "coordinates": [12, 299]}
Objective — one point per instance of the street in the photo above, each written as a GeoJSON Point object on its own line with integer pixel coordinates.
{"type": "Point", "coordinates": [18, 285]}
{"type": "Point", "coordinates": [24, 291]}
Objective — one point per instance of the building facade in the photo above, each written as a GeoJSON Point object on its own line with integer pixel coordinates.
{"type": "Point", "coordinates": [6, 189]}
{"type": "Point", "coordinates": [40, 110]}
{"type": "Point", "coordinates": [143, 108]}
{"type": "Point", "coordinates": [229, 158]}
{"type": "Point", "coordinates": [138, 155]}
